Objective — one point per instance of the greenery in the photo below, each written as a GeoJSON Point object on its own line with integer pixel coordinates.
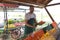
{"type": "Point", "coordinates": [10, 21]}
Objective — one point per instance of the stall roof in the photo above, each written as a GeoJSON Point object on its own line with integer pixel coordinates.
{"type": "Point", "coordinates": [40, 3]}
{"type": "Point", "coordinates": [9, 5]}
{"type": "Point", "coordinates": [36, 3]}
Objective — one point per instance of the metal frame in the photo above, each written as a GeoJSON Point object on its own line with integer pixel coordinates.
{"type": "Point", "coordinates": [53, 4]}
{"type": "Point", "coordinates": [5, 18]}
{"type": "Point", "coordinates": [49, 15]}
{"type": "Point", "coordinates": [49, 12]}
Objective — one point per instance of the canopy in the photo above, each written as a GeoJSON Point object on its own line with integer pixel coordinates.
{"type": "Point", "coordinates": [40, 3]}
{"type": "Point", "coordinates": [36, 3]}
{"type": "Point", "coordinates": [9, 5]}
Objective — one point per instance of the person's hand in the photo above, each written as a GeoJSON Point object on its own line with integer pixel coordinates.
{"type": "Point", "coordinates": [41, 22]}
{"type": "Point", "coordinates": [33, 26]}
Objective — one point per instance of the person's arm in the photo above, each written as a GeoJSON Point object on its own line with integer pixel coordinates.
{"type": "Point", "coordinates": [41, 23]}
{"type": "Point", "coordinates": [28, 24]}
{"type": "Point", "coordinates": [36, 22]}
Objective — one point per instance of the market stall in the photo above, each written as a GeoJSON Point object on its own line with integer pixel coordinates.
{"type": "Point", "coordinates": [42, 34]}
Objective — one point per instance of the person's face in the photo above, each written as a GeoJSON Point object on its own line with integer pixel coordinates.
{"type": "Point", "coordinates": [31, 9]}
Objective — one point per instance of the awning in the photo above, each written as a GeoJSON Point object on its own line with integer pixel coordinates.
{"type": "Point", "coordinates": [40, 3]}
{"type": "Point", "coordinates": [9, 5]}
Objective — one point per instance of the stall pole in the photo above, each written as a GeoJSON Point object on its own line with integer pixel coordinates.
{"type": "Point", "coordinates": [5, 18]}
{"type": "Point", "coordinates": [53, 4]}
{"type": "Point", "coordinates": [49, 15]}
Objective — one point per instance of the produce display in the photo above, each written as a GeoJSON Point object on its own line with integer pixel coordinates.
{"type": "Point", "coordinates": [10, 21]}
{"type": "Point", "coordinates": [35, 35]}
{"type": "Point", "coordinates": [9, 26]}
{"type": "Point", "coordinates": [14, 23]}
{"type": "Point", "coordinates": [54, 24]}
{"type": "Point", "coordinates": [47, 36]}
{"type": "Point", "coordinates": [42, 35]}
{"type": "Point", "coordinates": [19, 24]}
